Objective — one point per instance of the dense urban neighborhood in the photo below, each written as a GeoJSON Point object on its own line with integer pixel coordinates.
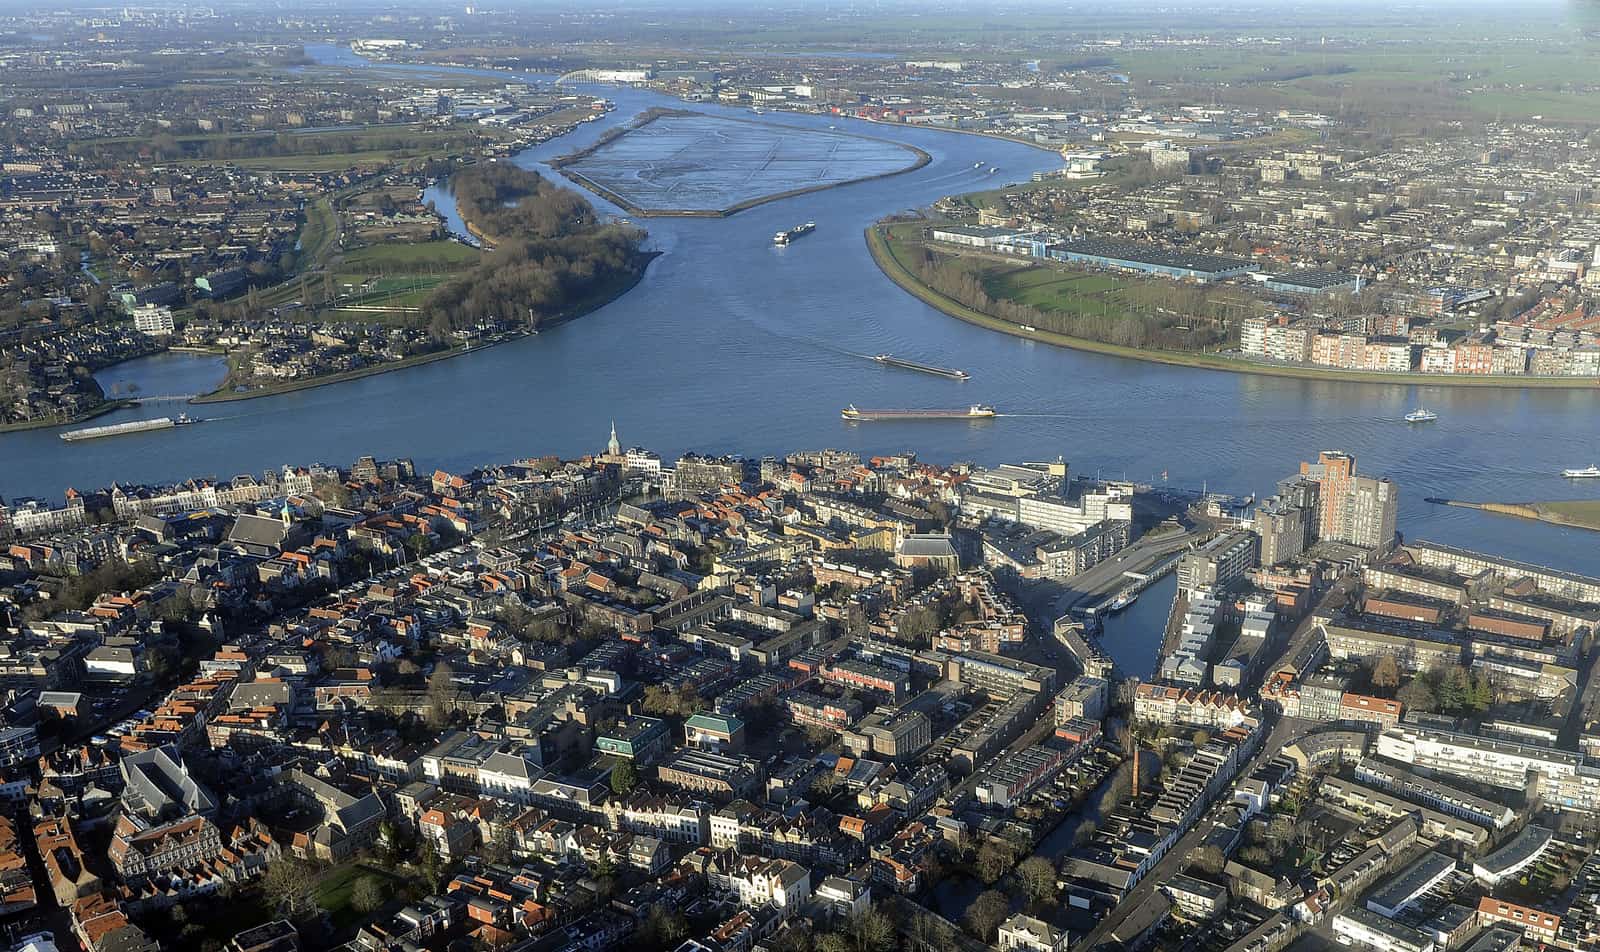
{"type": "Point", "coordinates": [734, 703]}
{"type": "Point", "coordinates": [986, 677]}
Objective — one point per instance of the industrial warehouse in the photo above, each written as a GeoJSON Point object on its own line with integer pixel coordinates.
{"type": "Point", "coordinates": [1150, 259]}
{"type": "Point", "coordinates": [1146, 257]}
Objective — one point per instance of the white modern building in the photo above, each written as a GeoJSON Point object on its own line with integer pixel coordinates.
{"type": "Point", "coordinates": [1563, 780]}
{"type": "Point", "coordinates": [1522, 851]}
{"type": "Point", "coordinates": [154, 320]}
{"type": "Point", "coordinates": [1367, 929]}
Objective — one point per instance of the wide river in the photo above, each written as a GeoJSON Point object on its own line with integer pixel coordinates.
{"type": "Point", "coordinates": [731, 345]}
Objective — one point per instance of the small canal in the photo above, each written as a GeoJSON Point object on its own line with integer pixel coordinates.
{"type": "Point", "coordinates": [1133, 636]}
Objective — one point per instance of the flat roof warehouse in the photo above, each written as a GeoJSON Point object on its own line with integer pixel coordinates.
{"type": "Point", "coordinates": [1314, 279]}
{"type": "Point", "coordinates": [1151, 259]}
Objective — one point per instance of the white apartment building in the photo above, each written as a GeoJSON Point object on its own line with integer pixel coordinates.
{"type": "Point", "coordinates": [1564, 781]}
{"type": "Point", "coordinates": [1072, 516]}
{"type": "Point", "coordinates": [154, 320]}
{"type": "Point", "coordinates": [1367, 929]}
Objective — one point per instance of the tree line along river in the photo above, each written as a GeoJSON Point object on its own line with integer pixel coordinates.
{"type": "Point", "coordinates": [732, 345]}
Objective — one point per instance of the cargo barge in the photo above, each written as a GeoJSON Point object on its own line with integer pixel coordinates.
{"type": "Point", "coordinates": [978, 411]}
{"type": "Point", "coordinates": [889, 360]}
{"type": "Point", "coordinates": [798, 231]}
{"type": "Point", "coordinates": [132, 426]}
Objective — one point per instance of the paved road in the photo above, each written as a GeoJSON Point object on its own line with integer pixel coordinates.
{"type": "Point", "coordinates": [1108, 576]}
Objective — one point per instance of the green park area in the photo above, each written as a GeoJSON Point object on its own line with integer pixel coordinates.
{"type": "Point", "coordinates": [389, 282]}
{"type": "Point", "coordinates": [350, 891]}
{"type": "Point", "coordinates": [1062, 291]}
{"type": "Point", "coordinates": [381, 283]}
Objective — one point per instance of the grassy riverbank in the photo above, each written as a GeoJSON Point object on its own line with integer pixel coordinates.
{"type": "Point", "coordinates": [884, 255]}
{"type": "Point", "coordinates": [108, 407]}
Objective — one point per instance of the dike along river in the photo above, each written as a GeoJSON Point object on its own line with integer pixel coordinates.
{"type": "Point", "coordinates": [732, 345]}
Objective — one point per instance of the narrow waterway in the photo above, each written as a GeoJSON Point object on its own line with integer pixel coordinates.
{"type": "Point", "coordinates": [1133, 636]}
{"type": "Point", "coordinates": [730, 344]}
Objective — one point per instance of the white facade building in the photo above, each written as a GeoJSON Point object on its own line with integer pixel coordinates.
{"type": "Point", "coordinates": [154, 320]}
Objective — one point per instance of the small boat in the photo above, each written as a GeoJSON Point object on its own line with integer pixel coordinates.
{"type": "Point", "coordinates": [1420, 415]}
{"type": "Point", "coordinates": [1588, 472]}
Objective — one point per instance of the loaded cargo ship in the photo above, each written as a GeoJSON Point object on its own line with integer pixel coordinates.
{"type": "Point", "coordinates": [978, 411]}
{"type": "Point", "coordinates": [798, 231]}
{"type": "Point", "coordinates": [132, 426]}
{"type": "Point", "coordinates": [889, 360]}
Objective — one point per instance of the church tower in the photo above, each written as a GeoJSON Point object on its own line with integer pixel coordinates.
{"type": "Point", "coordinates": [613, 447]}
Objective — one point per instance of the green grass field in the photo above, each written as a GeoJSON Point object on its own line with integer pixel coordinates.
{"type": "Point", "coordinates": [397, 276]}
{"type": "Point", "coordinates": [399, 291]}
{"type": "Point", "coordinates": [336, 888]}
{"type": "Point", "coordinates": [1048, 289]}
{"type": "Point", "coordinates": [396, 255]}
{"type": "Point", "coordinates": [106, 272]}
{"type": "Point", "coordinates": [1043, 287]}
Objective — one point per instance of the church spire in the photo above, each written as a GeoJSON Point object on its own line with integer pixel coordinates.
{"type": "Point", "coordinates": [613, 447]}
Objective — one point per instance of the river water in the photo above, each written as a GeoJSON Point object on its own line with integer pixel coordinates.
{"type": "Point", "coordinates": [732, 345]}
